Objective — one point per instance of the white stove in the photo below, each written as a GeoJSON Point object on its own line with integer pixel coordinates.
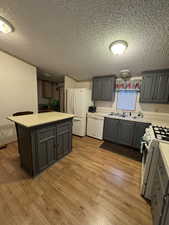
{"type": "Point", "coordinates": [156, 133]}
{"type": "Point", "coordinates": [161, 133]}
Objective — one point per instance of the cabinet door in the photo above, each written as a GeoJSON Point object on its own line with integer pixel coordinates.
{"type": "Point", "coordinates": [165, 215]}
{"type": "Point", "coordinates": [97, 89]}
{"type": "Point", "coordinates": [139, 130]}
{"type": "Point", "coordinates": [108, 86]}
{"type": "Point", "coordinates": [111, 129]}
{"type": "Point", "coordinates": [157, 200]}
{"type": "Point", "coordinates": [64, 138]}
{"type": "Point", "coordinates": [47, 89]}
{"type": "Point", "coordinates": [126, 130]}
{"type": "Point", "coordinates": [103, 88]}
{"type": "Point", "coordinates": [147, 88]}
{"type": "Point", "coordinates": [46, 150]}
{"type": "Point", "coordinates": [161, 93]}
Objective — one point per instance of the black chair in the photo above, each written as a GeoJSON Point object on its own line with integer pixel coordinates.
{"type": "Point", "coordinates": [20, 114]}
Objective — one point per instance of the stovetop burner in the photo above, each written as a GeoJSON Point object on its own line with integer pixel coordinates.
{"type": "Point", "coordinates": [161, 133]}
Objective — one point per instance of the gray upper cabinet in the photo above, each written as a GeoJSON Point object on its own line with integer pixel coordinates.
{"type": "Point", "coordinates": [161, 92]}
{"type": "Point", "coordinates": [97, 89]}
{"type": "Point", "coordinates": [64, 139]}
{"type": "Point", "coordinates": [147, 88]}
{"type": "Point", "coordinates": [155, 87]}
{"type": "Point", "coordinates": [103, 88]}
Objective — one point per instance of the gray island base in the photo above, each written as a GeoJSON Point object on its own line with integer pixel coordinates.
{"type": "Point", "coordinates": [43, 143]}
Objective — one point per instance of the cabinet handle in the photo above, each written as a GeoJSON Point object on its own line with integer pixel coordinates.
{"type": "Point", "coordinates": [165, 197]}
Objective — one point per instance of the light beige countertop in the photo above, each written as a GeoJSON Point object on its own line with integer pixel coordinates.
{"type": "Point", "coordinates": [153, 120]}
{"type": "Point", "coordinates": [39, 118]}
{"type": "Point", "coordinates": [164, 148]}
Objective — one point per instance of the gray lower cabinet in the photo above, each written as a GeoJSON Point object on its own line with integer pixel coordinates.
{"type": "Point", "coordinates": [124, 132]}
{"type": "Point", "coordinates": [160, 195]}
{"type": "Point", "coordinates": [155, 87]}
{"type": "Point", "coordinates": [46, 147]}
{"type": "Point", "coordinates": [103, 88]}
{"type": "Point", "coordinates": [97, 89]}
{"type": "Point", "coordinates": [139, 130]}
{"type": "Point", "coordinates": [43, 145]}
{"type": "Point", "coordinates": [64, 139]}
{"type": "Point", "coordinates": [111, 128]}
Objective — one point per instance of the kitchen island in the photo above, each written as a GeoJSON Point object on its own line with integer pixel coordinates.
{"type": "Point", "coordinates": [43, 139]}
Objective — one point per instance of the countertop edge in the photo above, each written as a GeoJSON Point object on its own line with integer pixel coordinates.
{"type": "Point", "coordinates": [163, 154]}
{"type": "Point", "coordinates": [152, 121]}
{"type": "Point", "coordinates": [43, 123]}
{"type": "Point", "coordinates": [119, 118]}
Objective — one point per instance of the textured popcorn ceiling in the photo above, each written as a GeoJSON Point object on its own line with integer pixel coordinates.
{"type": "Point", "coordinates": [72, 36]}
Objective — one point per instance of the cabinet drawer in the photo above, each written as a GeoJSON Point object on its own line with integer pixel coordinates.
{"type": "Point", "coordinates": [162, 173]}
{"type": "Point", "coordinates": [64, 126]}
{"type": "Point", "coordinates": [46, 133]}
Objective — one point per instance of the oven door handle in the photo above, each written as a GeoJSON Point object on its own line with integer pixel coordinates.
{"type": "Point", "coordinates": [143, 143]}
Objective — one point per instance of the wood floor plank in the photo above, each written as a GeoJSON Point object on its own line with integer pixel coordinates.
{"type": "Point", "coordinates": [94, 185]}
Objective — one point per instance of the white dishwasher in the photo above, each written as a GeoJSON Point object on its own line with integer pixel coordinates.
{"type": "Point", "coordinates": [95, 124]}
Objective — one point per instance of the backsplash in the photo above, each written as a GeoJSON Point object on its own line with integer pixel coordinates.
{"type": "Point", "coordinates": [111, 106]}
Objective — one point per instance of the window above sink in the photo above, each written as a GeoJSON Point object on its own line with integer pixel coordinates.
{"type": "Point", "coordinates": [126, 100]}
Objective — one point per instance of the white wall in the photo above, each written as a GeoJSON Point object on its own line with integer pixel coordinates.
{"type": "Point", "coordinates": [18, 92]}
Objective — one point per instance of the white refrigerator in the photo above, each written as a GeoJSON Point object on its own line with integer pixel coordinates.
{"type": "Point", "coordinates": [78, 100]}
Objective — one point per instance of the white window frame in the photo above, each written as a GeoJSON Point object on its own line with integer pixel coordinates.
{"type": "Point", "coordinates": [135, 104]}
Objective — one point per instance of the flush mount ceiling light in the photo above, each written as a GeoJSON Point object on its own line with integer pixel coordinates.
{"type": "Point", "coordinates": [5, 26]}
{"type": "Point", "coordinates": [118, 47]}
{"type": "Point", "coordinates": [125, 74]}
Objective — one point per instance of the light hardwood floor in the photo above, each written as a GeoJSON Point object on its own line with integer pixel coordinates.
{"type": "Point", "coordinates": [90, 186]}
